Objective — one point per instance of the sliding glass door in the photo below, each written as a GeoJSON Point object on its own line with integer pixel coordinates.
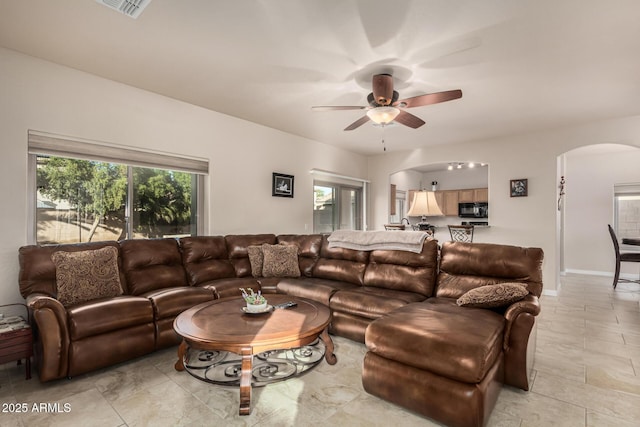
{"type": "Point", "coordinates": [336, 207]}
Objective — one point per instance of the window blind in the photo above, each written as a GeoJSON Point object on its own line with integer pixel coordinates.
{"type": "Point", "coordinates": [626, 189]}
{"type": "Point", "coordinates": [63, 146]}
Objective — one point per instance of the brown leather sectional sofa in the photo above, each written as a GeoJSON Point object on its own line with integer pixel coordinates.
{"type": "Point", "coordinates": [425, 352]}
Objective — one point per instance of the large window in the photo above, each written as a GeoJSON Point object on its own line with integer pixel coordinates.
{"type": "Point", "coordinates": [627, 210]}
{"type": "Point", "coordinates": [336, 207]}
{"type": "Point", "coordinates": [80, 200]}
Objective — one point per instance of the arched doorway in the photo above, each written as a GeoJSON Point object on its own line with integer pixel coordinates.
{"type": "Point", "coordinates": [591, 174]}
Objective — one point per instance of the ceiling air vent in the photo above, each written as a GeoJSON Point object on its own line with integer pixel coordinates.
{"type": "Point", "coordinates": [132, 8]}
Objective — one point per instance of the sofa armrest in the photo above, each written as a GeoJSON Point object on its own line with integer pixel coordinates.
{"type": "Point", "coordinates": [50, 317]}
{"type": "Point", "coordinates": [529, 305]}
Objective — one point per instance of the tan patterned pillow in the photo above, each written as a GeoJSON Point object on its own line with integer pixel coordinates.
{"type": "Point", "coordinates": [280, 261]}
{"type": "Point", "coordinates": [256, 258]}
{"type": "Point", "coordinates": [87, 275]}
{"type": "Point", "coordinates": [492, 296]}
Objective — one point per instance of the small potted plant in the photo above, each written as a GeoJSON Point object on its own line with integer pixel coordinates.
{"type": "Point", "coordinates": [256, 303]}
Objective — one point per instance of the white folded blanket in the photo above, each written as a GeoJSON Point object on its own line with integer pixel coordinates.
{"type": "Point", "coordinates": [397, 240]}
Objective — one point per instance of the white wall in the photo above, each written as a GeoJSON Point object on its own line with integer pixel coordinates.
{"type": "Point", "coordinates": [591, 173]}
{"type": "Point", "coordinates": [523, 221]}
{"type": "Point", "coordinates": [43, 96]}
{"type": "Point", "coordinates": [406, 180]}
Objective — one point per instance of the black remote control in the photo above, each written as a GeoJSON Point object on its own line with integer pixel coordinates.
{"type": "Point", "coordinates": [288, 304]}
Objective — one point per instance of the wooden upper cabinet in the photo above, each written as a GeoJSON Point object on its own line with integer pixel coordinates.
{"type": "Point", "coordinates": [466, 196]}
{"type": "Point", "coordinates": [481, 195]}
{"type": "Point", "coordinates": [451, 200]}
{"type": "Point", "coordinates": [448, 202]}
{"type": "Point", "coordinates": [472, 195]}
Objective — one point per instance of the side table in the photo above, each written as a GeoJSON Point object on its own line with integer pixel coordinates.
{"type": "Point", "coordinates": [16, 339]}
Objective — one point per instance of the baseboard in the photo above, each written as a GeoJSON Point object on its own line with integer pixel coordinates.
{"type": "Point", "coordinates": [627, 276]}
{"type": "Point", "coordinates": [550, 292]}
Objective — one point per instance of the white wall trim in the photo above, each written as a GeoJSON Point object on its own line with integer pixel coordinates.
{"type": "Point", "coordinates": [550, 293]}
{"type": "Point", "coordinates": [627, 276]}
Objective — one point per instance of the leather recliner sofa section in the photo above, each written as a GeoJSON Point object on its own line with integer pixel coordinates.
{"type": "Point", "coordinates": [449, 362]}
{"type": "Point", "coordinates": [424, 350]}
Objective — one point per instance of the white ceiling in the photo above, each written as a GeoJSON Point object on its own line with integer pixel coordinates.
{"type": "Point", "coordinates": [522, 65]}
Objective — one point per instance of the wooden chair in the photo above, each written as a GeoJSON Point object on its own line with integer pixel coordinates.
{"type": "Point", "coordinates": [622, 257]}
{"type": "Point", "coordinates": [461, 233]}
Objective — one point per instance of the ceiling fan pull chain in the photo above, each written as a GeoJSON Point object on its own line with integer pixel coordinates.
{"type": "Point", "coordinates": [384, 147]}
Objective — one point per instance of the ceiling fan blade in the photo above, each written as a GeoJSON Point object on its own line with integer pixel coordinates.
{"type": "Point", "coordinates": [382, 88]}
{"type": "Point", "coordinates": [362, 120]}
{"type": "Point", "coordinates": [409, 119]}
{"type": "Point", "coordinates": [428, 99]}
{"type": "Point", "coordinates": [338, 107]}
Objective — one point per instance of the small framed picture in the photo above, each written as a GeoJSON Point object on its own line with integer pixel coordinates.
{"type": "Point", "coordinates": [519, 187]}
{"type": "Point", "coordinates": [282, 185]}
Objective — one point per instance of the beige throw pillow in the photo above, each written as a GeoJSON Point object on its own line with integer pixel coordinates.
{"type": "Point", "coordinates": [256, 258]}
{"type": "Point", "coordinates": [280, 261]}
{"type": "Point", "coordinates": [86, 275]}
{"type": "Point", "coordinates": [492, 296]}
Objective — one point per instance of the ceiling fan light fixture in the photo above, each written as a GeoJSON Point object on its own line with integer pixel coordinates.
{"type": "Point", "coordinates": [383, 115]}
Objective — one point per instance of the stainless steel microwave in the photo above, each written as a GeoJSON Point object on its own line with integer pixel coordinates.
{"type": "Point", "coordinates": [473, 210]}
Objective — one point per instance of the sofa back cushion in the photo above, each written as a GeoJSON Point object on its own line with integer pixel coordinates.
{"type": "Point", "coordinates": [205, 258]}
{"type": "Point", "coordinates": [152, 264]}
{"type": "Point", "coordinates": [308, 249]}
{"type": "Point", "coordinates": [404, 271]}
{"type": "Point", "coordinates": [38, 272]}
{"type": "Point", "coordinates": [466, 266]}
{"type": "Point", "coordinates": [238, 254]}
{"type": "Point", "coordinates": [346, 265]}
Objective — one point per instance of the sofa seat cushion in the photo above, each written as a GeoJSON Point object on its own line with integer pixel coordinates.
{"type": "Point", "coordinates": [108, 314]}
{"type": "Point", "coordinates": [319, 290]}
{"type": "Point", "coordinates": [173, 301]}
{"type": "Point", "coordinates": [371, 302]}
{"type": "Point", "coordinates": [438, 336]}
{"type": "Point", "coordinates": [230, 287]}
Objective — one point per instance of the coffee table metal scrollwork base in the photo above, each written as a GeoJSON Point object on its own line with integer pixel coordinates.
{"type": "Point", "coordinates": [225, 368]}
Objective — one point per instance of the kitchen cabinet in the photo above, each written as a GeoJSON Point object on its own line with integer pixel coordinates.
{"type": "Point", "coordinates": [481, 195]}
{"type": "Point", "coordinates": [473, 195]}
{"type": "Point", "coordinates": [448, 202]}
{"type": "Point", "coordinates": [466, 196]}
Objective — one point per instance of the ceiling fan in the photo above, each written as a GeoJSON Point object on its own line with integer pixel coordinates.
{"type": "Point", "coordinates": [384, 106]}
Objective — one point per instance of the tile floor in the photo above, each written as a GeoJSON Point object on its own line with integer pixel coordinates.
{"type": "Point", "coordinates": [586, 373]}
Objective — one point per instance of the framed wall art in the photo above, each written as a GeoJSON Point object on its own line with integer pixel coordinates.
{"type": "Point", "coordinates": [519, 187]}
{"type": "Point", "coordinates": [281, 185]}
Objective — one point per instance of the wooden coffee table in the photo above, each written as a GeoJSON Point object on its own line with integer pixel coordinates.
{"type": "Point", "coordinates": [223, 325]}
